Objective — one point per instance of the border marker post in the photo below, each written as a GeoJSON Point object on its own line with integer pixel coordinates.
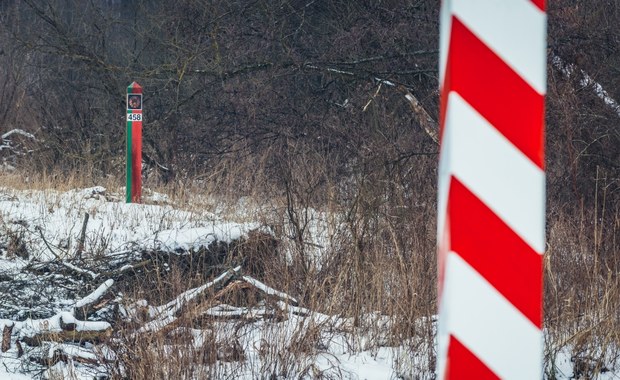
{"type": "Point", "coordinates": [491, 201]}
{"type": "Point", "coordinates": [134, 144]}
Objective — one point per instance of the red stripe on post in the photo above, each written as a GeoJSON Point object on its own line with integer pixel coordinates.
{"type": "Point", "coordinates": [136, 162]}
{"type": "Point", "coordinates": [462, 362]}
{"type": "Point", "coordinates": [486, 243]}
{"type": "Point", "coordinates": [499, 94]}
{"type": "Point", "coordinates": [541, 4]}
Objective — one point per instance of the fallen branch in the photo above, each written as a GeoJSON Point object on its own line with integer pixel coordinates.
{"type": "Point", "coordinates": [61, 261]}
{"type": "Point", "coordinates": [62, 327]}
{"type": "Point", "coordinates": [57, 352]}
{"type": "Point", "coordinates": [168, 313]}
{"type": "Point", "coordinates": [570, 70]}
{"type": "Point", "coordinates": [228, 312]}
{"type": "Point", "coordinates": [120, 272]}
{"type": "Point", "coordinates": [423, 118]}
{"type": "Point", "coordinates": [245, 283]}
{"type": "Point", "coordinates": [77, 269]}
{"type": "Point", "coordinates": [18, 131]}
{"type": "Point", "coordinates": [47, 244]}
{"type": "Point", "coordinates": [84, 307]}
{"type": "Point", "coordinates": [48, 266]}
{"type": "Point", "coordinates": [270, 291]}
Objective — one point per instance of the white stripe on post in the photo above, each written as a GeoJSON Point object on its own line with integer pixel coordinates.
{"type": "Point", "coordinates": [519, 44]}
{"type": "Point", "coordinates": [511, 28]}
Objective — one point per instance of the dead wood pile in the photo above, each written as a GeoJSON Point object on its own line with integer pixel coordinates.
{"type": "Point", "coordinates": [223, 283]}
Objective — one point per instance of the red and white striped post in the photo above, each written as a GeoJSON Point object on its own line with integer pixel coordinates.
{"type": "Point", "coordinates": [134, 143]}
{"type": "Point", "coordinates": [491, 217]}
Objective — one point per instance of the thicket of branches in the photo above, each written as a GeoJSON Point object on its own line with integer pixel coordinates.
{"type": "Point", "coordinates": [305, 100]}
{"type": "Point", "coordinates": [222, 79]}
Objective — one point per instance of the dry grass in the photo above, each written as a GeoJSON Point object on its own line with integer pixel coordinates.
{"type": "Point", "coordinates": [29, 180]}
{"type": "Point", "coordinates": [362, 249]}
{"type": "Point", "coordinates": [582, 292]}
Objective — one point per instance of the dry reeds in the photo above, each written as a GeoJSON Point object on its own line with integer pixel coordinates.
{"type": "Point", "coordinates": [358, 246]}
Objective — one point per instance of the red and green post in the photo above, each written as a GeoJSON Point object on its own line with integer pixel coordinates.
{"type": "Point", "coordinates": [134, 143]}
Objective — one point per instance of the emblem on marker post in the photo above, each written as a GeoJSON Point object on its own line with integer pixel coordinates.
{"type": "Point", "coordinates": [134, 101]}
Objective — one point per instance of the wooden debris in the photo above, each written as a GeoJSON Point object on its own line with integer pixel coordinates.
{"type": "Point", "coordinates": [6, 337]}
{"type": "Point", "coordinates": [423, 118]}
{"type": "Point", "coordinates": [91, 303]}
{"type": "Point", "coordinates": [270, 291]}
{"type": "Point", "coordinates": [51, 353]}
{"type": "Point", "coordinates": [67, 329]}
{"type": "Point", "coordinates": [252, 300]}
{"type": "Point", "coordinates": [82, 238]}
{"type": "Point", "coordinates": [51, 339]}
{"type": "Point", "coordinates": [50, 360]}
{"type": "Point", "coordinates": [231, 290]}
{"type": "Point", "coordinates": [20, 349]}
{"type": "Point", "coordinates": [168, 313]}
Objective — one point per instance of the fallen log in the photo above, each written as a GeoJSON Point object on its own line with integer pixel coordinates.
{"type": "Point", "coordinates": [60, 352]}
{"type": "Point", "coordinates": [73, 336]}
{"type": "Point", "coordinates": [67, 329]}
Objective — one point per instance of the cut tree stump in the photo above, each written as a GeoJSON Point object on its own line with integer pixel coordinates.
{"type": "Point", "coordinates": [20, 349]}
{"type": "Point", "coordinates": [6, 337]}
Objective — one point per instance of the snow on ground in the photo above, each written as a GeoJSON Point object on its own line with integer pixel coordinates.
{"type": "Point", "coordinates": [112, 226]}
{"type": "Point", "coordinates": [48, 224]}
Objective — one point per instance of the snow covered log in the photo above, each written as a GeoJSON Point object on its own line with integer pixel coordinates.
{"type": "Point", "coordinates": [63, 327]}
{"type": "Point", "coordinates": [74, 336]}
{"type": "Point", "coordinates": [270, 291]}
{"type": "Point", "coordinates": [60, 352]}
